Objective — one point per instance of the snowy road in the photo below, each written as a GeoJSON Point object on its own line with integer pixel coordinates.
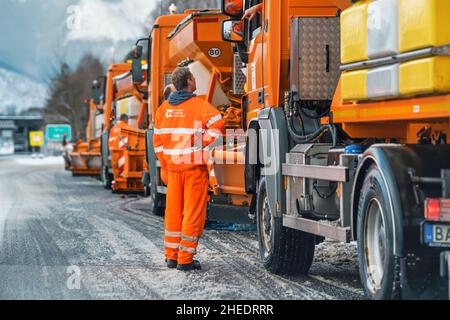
{"type": "Point", "coordinates": [68, 238]}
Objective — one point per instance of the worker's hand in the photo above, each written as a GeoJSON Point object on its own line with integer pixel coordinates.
{"type": "Point", "coordinates": [250, 13]}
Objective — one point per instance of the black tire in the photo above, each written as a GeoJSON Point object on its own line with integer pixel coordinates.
{"type": "Point", "coordinates": [157, 204]}
{"type": "Point", "coordinates": [157, 200]}
{"type": "Point", "coordinates": [378, 267]}
{"type": "Point", "coordinates": [147, 191]}
{"type": "Point", "coordinates": [291, 252]}
{"type": "Point", "coordinates": [106, 178]}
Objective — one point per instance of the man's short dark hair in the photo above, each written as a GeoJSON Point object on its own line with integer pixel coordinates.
{"type": "Point", "coordinates": [124, 117]}
{"type": "Point", "coordinates": [180, 78]}
{"type": "Point", "coordinates": [167, 92]}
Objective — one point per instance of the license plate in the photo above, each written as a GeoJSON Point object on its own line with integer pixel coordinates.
{"type": "Point", "coordinates": [437, 234]}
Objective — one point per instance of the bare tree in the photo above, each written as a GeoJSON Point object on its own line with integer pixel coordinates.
{"type": "Point", "coordinates": [69, 92]}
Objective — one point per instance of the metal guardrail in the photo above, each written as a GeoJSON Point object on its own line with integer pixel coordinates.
{"type": "Point", "coordinates": [21, 118]}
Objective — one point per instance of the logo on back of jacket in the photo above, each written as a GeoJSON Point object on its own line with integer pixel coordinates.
{"type": "Point", "coordinates": [175, 113]}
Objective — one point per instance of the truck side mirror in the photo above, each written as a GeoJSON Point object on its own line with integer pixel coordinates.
{"type": "Point", "coordinates": [96, 92]}
{"type": "Point", "coordinates": [136, 64]}
{"type": "Point", "coordinates": [233, 30]}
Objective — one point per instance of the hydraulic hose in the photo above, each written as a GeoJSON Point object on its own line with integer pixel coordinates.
{"type": "Point", "coordinates": [297, 137]}
{"type": "Point", "coordinates": [301, 139]}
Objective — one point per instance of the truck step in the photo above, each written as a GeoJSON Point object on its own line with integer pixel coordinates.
{"type": "Point", "coordinates": [318, 228]}
{"type": "Point", "coordinates": [327, 173]}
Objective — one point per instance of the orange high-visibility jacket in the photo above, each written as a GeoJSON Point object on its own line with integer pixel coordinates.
{"type": "Point", "coordinates": [183, 133]}
{"type": "Point", "coordinates": [115, 141]}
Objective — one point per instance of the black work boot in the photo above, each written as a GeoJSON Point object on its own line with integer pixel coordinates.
{"type": "Point", "coordinates": [194, 265]}
{"type": "Point", "coordinates": [171, 264]}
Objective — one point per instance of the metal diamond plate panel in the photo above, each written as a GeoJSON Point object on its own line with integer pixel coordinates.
{"type": "Point", "coordinates": [319, 57]}
{"type": "Point", "coordinates": [239, 78]}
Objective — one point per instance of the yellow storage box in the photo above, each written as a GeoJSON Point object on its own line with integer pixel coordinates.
{"type": "Point", "coordinates": [423, 23]}
{"type": "Point", "coordinates": [354, 85]}
{"type": "Point", "coordinates": [354, 33]}
{"type": "Point", "coordinates": [425, 76]}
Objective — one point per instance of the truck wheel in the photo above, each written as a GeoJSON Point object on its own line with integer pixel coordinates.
{"type": "Point", "coordinates": [378, 267]}
{"type": "Point", "coordinates": [157, 200]}
{"type": "Point", "coordinates": [158, 204]}
{"type": "Point", "coordinates": [147, 191]}
{"type": "Point", "coordinates": [106, 178]}
{"type": "Point", "coordinates": [282, 250]}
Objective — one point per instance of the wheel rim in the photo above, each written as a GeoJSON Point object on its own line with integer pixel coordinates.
{"type": "Point", "coordinates": [375, 245]}
{"type": "Point", "coordinates": [266, 228]}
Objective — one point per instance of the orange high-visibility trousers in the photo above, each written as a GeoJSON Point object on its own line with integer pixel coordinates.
{"type": "Point", "coordinates": [185, 219]}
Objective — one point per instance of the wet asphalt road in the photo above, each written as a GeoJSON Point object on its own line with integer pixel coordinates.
{"type": "Point", "coordinates": [68, 238]}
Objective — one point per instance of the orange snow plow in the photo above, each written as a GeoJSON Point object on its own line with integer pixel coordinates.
{"type": "Point", "coordinates": [123, 145]}
{"type": "Point", "coordinates": [86, 156]}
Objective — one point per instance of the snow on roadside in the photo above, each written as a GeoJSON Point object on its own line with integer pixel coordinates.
{"type": "Point", "coordinates": [47, 161]}
{"type": "Point", "coordinates": [14, 86]}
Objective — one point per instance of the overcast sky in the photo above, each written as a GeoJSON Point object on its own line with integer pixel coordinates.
{"type": "Point", "coordinates": [34, 33]}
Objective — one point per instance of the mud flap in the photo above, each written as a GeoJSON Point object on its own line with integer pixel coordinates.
{"type": "Point", "coordinates": [151, 160]}
{"type": "Point", "coordinates": [445, 268]}
{"type": "Point", "coordinates": [274, 144]}
{"type": "Point", "coordinates": [105, 149]}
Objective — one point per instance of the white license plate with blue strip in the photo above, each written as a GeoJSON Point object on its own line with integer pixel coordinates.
{"type": "Point", "coordinates": [437, 234]}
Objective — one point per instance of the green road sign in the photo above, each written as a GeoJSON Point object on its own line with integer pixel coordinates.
{"type": "Point", "coordinates": [55, 132]}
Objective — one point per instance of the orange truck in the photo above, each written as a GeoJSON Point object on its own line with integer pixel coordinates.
{"type": "Point", "coordinates": [346, 115]}
{"type": "Point", "coordinates": [194, 40]}
{"type": "Point", "coordinates": [123, 160]}
{"type": "Point", "coordinates": [86, 156]}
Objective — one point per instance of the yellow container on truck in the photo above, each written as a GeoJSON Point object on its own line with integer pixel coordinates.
{"type": "Point", "coordinates": [423, 23]}
{"type": "Point", "coordinates": [425, 76]}
{"type": "Point", "coordinates": [382, 82]}
{"type": "Point", "coordinates": [354, 33]}
{"type": "Point", "coordinates": [382, 29]}
{"type": "Point", "coordinates": [354, 85]}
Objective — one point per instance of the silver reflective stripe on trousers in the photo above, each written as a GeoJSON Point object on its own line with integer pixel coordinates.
{"type": "Point", "coordinates": [188, 250]}
{"type": "Point", "coordinates": [172, 245]}
{"type": "Point", "coordinates": [173, 234]}
{"type": "Point", "coordinates": [190, 239]}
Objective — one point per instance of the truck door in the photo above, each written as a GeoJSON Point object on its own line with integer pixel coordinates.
{"type": "Point", "coordinates": [255, 71]}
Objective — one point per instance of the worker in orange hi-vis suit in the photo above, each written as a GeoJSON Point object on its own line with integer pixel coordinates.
{"type": "Point", "coordinates": [114, 138]}
{"type": "Point", "coordinates": [253, 11]}
{"type": "Point", "coordinates": [185, 128]}
{"type": "Point", "coordinates": [118, 142]}
{"type": "Point", "coordinates": [234, 7]}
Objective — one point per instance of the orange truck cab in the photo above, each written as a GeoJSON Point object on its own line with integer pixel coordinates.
{"type": "Point", "coordinates": [346, 136]}
{"type": "Point", "coordinates": [124, 161]}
